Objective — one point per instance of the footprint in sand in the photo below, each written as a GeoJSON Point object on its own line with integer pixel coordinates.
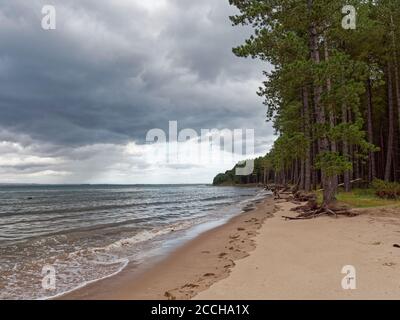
{"type": "Point", "coordinates": [209, 275]}
{"type": "Point", "coordinates": [222, 254]}
{"type": "Point", "coordinates": [190, 285]}
{"type": "Point", "coordinates": [389, 264]}
{"type": "Point", "coordinates": [231, 265]}
{"type": "Point", "coordinates": [169, 296]}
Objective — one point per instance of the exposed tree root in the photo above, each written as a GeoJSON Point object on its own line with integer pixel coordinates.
{"type": "Point", "coordinates": [279, 190]}
{"type": "Point", "coordinates": [310, 212]}
{"type": "Point", "coordinates": [304, 196]}
{"type": "Point", "coordinates": [311, 209]}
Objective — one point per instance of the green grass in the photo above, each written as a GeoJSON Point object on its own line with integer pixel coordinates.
{"type": "Point", "coordinates": [362, 198]}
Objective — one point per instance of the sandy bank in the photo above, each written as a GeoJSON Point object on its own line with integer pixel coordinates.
{"type": "Point", "coordinates": [304, 259]}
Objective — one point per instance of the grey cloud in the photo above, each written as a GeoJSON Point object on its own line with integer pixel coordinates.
{"type": "Point", "coordinates": [112, 71]}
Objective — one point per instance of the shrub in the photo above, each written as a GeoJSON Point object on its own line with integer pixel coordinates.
{"type": "Point", "coordinates": [386, 190]}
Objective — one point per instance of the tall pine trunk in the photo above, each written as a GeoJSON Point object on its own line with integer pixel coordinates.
{"type": "Point", "coordinates": [265, 176]}
{"type": "Point", "coordinates": [396, 68]}
{"type": "Point", "coordinates": [346, 174]}
{"type": "Point", "coordinates": [307, 161]}
{"type": "Point", "coordinates": [390, 140]}
{"type": "Point", "coordinates": [382, 153]}
{"type": "Point", "coordinates": [371, 162]}
{"type": "Point", "coordinates": [329, 184]}
{"type": "Point", "coordinates": [331, 110]}
{"type": "Point", "coordinates": [302, 171]}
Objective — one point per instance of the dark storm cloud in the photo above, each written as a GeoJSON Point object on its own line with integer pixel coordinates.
{"type": "Point", "coordinates": [76, 102]}
{"type": "Point", "coordinates": [113, 70]}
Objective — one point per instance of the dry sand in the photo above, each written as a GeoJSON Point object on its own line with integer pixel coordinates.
{"type": "Point", "coordinates": [259, 255]}
{"type": "Point", "coordinates": [304, 259]}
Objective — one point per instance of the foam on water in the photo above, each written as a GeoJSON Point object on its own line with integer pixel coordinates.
{"type": "Point", "coordinates": [94, 245]}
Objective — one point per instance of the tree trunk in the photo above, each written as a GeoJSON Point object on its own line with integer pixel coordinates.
{"type": "Point", "coordinates": [396, 68]}
{"type": "Point", "coordinates": [372, 166]}
{"type": "Point", "coordinates": [302, 170]}
{"type": "Point", "coordinates": [307, 161]}
{"type": "Point", "coordinates": [332, 119]}
{"type": "Point", "coordinates": [390, 124]}
{"type": "Point", "coordinates": [382, 153]}
{"type": "Point", "coordinates": [265, 176]}
{"type": "Point", "coordinates": [315, 173]}
{"type": "Point", "coordinates": [329, 184]}
{"type": "Point", "coordinates": [356, 161]}
{"type": "Point", "coordinates": [293, 173]}
{"type": "Point", "coordinates": [346, 174]}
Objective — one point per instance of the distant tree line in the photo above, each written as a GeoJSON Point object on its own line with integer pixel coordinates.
{"type": "Point", "coordinates": [262, 174]}
{"type": "Point", "coordinates": [333, 94]}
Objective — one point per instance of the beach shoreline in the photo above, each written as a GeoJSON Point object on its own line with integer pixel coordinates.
{"type": "Point", "coordinates": [258, 255]}
{"type": "Point", "coordinates": [344, 258]}
{"type": "Point", "coordinates": [190, 268]}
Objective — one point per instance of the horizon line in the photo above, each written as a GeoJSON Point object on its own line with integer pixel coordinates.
{"type": "Point", "coordinates": [100, 184]}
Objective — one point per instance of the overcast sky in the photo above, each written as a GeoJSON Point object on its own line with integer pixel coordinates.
{"type": "Point", "coordinates": [77, 102]}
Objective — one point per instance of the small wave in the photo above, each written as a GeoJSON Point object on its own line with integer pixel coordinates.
{"type": "Point", "coordinates": [254, 200]}
{"type": "Point", "coordinates": [146, 235]}
{"type": "Point", "coordinates": [87, 209]}
{"type": "Point", "coordinates": [98, 247]}
{"type": "Point", "coordinates": [124, 263]}
{"type": "Point", "coordinates": [139, 238]}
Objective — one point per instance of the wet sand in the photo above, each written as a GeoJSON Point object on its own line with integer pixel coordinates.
{"type": "Point", "coordinates": [191, 268]}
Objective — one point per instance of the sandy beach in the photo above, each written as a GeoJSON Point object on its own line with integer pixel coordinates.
{"type": "Point", "coordinates": [189, 269]}
{"type": "Point", "coordinates": [304, 259]}
{"type": "Point", "coordinates": [260, 255]}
